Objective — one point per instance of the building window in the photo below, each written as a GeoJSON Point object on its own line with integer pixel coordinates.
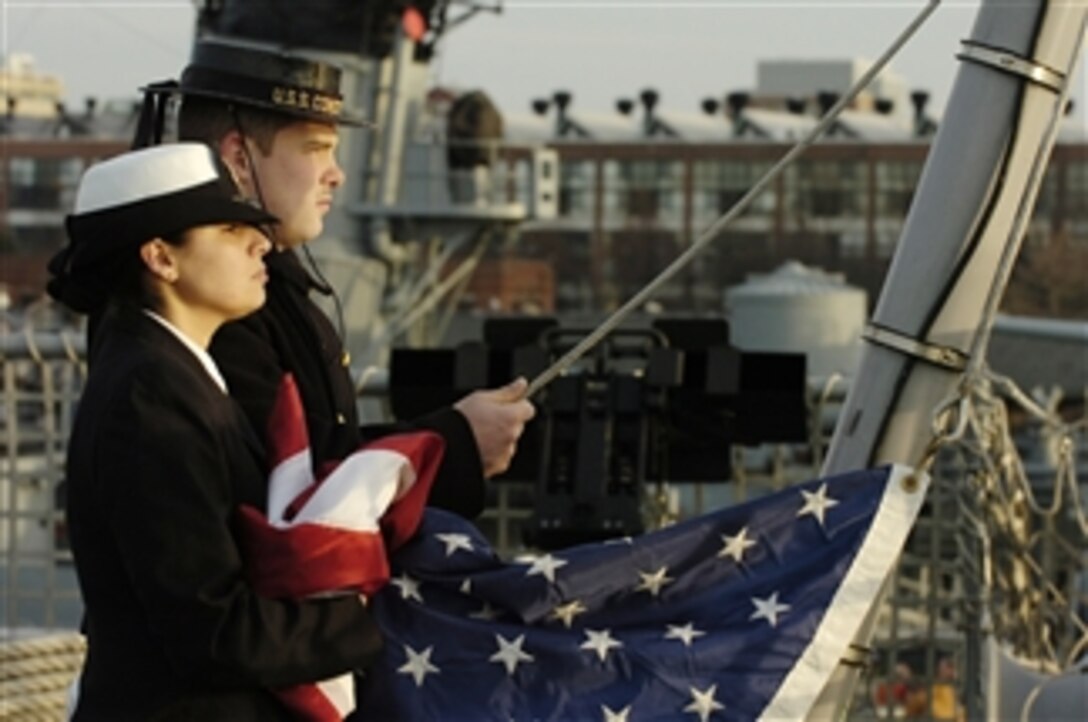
{"type": "Point", "coordinates": [831, 189]}
{"type": "Point", "coordinates": [719, 185]}
{"type": "Point", "coordinates": [644, 192]}
{"type": "Point", "coordinates": [1076, 190]}
{"type": "Point", "coordinates": [21, 171]}
{"type": "Point", "coordinates": [43, 183]}
{"type": "Point", "coordinates": [642, 203]}
{"type": "Point", "coordinates": [576, 189]}
{"type": "Point", "coordinates": [896, 182]}
{"type": "Point", "coordinates": [826, 202]}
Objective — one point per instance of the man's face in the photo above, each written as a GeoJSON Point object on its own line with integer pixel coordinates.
{"type": "Point", "coordinates": [298, 178]}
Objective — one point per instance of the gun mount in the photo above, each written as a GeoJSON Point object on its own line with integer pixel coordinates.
{"type": "Point", "coordinates": [649, 405]}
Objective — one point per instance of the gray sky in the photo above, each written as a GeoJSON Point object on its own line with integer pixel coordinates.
{"type": "Point", "coordinates": [597, 49]}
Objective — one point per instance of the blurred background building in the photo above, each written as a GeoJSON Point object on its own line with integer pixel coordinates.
{"type": "Point", "coordinates": [633, 188]}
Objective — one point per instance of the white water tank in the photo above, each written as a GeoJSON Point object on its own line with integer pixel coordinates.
{"type": "Point", "coordinates": [797, 309]}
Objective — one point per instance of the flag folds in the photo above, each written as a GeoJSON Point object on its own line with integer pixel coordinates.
{"type": "Point", "coordinates": [332, 534]}
{"type": "Point", "coordinates": [740, 614]}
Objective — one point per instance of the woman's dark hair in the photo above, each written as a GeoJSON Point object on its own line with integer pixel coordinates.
{"type": "Point", "coordinates": [119, 280]}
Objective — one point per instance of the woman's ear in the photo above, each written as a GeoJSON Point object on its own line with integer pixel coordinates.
{"type": "Point", "coordinates": [158, 257]}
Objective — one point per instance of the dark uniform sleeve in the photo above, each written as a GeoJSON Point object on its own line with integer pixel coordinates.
{"type": "Point", "coordinates": [164, 483]}
{"type": "Point", "coordinates": [459, 485]}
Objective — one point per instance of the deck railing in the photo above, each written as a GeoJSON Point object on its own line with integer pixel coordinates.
{"type": "Point", "coordinates": [42, 374]}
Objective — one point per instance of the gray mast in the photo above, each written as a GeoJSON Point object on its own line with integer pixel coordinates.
{"type": "Point", "coordinates": [964, 229]}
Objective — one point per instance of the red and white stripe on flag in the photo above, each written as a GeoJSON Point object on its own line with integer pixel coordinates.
{"type": "Point", "coordinates": [333, 534]}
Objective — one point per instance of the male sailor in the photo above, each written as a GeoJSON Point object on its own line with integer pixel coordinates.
{"type": "Point", "coordinates": [274, 118]}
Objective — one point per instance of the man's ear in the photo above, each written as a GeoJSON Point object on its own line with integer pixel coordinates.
{"type": "Point", "coordinates": [232, 150]}
{"type": "Point", "coordinates": [158, 257]}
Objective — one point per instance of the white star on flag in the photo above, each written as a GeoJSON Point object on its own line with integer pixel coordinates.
{"type": "Point", "coordinates": [510, 653]}
{"type": "Point", "coordinates": [703, 702]}
{"type": "Point", "coordinates": [735, 546]}
{"type": "Point", "coordinates": [817, 503]}
{"type": "Point", "coordinates": [686, 633]}
{"type": "Point", "coordinates": [466, 587]}
{"type": "Point", "coordinates": [768, 609]}
{"type": "Point", "coordinates": [652, 582]}
{"type": "Point", "coordinates": [600, 642]}
{"type": "Point", "coordinates": [610, 716]}
{"type": "Point", "coordinates": [409, 588]}
{"type": "Point", "coordinates": [454, 542]}
{"type": "Point", "coordinates": [418, 664]}
{"type": "Point", "coordinates": [545, 566]}
{"type": "Point", "coordinates": [567, 612]}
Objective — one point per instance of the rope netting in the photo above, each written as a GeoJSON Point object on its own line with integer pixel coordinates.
{"type": "Point", "coordinates": [1027, 522]}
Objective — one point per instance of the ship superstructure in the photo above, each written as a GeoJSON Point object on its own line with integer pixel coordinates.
{"type": "Point", "coordinates": [441, 191]}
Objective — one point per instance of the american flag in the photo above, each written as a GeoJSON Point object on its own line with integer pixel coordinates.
{"type": "Point", "coordinates": [331, 533]}
{"type": "Point", "coordinates": [740, 614]}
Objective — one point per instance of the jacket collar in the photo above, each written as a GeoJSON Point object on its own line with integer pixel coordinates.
{"type": "Point", "coordinates": [137, 325]}
{"type": "Point", "coordinates": [286, 265]}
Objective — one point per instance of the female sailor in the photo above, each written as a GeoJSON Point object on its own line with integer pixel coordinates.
{"type": "Point", "coordinates": [161, 458]}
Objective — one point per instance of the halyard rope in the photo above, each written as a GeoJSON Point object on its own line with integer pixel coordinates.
{"type": "Point", "coordinates": [707, 236]}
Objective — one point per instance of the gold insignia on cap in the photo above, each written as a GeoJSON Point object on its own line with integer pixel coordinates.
{"type": "Point", "coordinates": [326, 104]}
{"type": "Point", "coordinates": [306, 100]}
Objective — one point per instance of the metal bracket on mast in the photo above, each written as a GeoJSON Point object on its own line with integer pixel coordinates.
{"type": "Point", "coordinates": [944, 356]}
{"type": "Point", "coordinates": [1013, 64]}
{"type": "Point", "coordinates": [858, 656]}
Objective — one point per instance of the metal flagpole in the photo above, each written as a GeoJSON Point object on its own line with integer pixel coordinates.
{"type": "Point", "coordinates": [962, 233]}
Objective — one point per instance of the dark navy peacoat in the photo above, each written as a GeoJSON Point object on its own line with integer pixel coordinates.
{"type": "Point", "coordinates": [159, 461]}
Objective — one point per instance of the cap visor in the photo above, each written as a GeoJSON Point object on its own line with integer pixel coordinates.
{"type": "Point", "coordinates": [224, 210]}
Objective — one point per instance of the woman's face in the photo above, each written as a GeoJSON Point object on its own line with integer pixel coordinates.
{"type": "Point", "coordinates": [220, 273]}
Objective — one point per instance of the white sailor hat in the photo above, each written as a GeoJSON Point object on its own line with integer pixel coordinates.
{"type": "Point", "coordinates": [143, 194]}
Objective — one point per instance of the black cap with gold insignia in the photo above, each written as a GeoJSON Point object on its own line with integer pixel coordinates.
{"type": "Point", "coordinates": [271, 79]}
